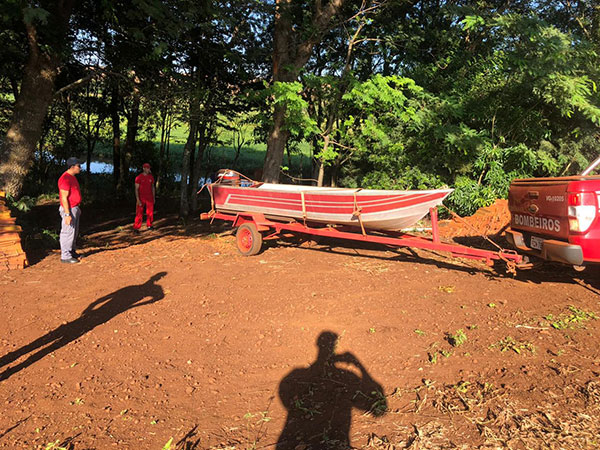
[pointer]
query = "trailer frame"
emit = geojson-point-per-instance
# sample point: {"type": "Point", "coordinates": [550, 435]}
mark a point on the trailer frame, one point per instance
{"type": "Point", "coordinates": [254, 228]}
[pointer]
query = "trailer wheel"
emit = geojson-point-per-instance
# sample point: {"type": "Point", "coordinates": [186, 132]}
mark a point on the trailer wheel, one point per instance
{"type": "Point", "coordinates": [248, 239]}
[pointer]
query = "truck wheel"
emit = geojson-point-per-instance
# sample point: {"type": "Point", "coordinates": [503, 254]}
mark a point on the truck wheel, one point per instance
{"type": "Point", "coordinates": [248, 239]}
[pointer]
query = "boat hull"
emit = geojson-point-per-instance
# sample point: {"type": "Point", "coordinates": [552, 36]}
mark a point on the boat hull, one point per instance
{"type": "Point", "coordinates": [377, 210]}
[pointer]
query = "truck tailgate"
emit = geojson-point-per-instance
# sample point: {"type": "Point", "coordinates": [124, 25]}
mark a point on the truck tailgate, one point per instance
{"type": "Point", "coordinates": [540, 207]}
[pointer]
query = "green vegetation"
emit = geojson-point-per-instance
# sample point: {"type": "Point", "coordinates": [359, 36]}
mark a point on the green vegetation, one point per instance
{"type": "Point", "coordinates": [254, 427]}
{"type": "Point", "coordinates": [508, 343]}
{"type": "Point", "coordinates": [433, 356]}
{"type": "Point", "coordinates": [402, 96]}
{"type": "Point", "coordinates": [568, 321]}
{"type": "Point", "coordinates": [457, 339]}
{"type": "Point", "coordinates": [56, 445]}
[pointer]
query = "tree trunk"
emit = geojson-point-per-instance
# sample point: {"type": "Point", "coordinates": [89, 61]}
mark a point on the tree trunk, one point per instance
{"type": "Point", "coordinates": [14, 84]}
{"type": "Point", "coordinates": [37, 89]}
{"type": "Point", "coordinates": [169, 128]}
{"type": "Point", "coordinates": [275, 146]}
{"type": "Point", "coordinates": [88, 140]}
{"type": "Point", "coordinates": [321, 177]}
{"type": "Point", "coordinates": [184, 205]}
{"type": "Point", "coordinates": [204, 135]}
{"type": "Point", "coordinates": [161, 151]}
{"type": "Point", "coordinates": [25, 127]}
{"type": "Point", "coordinates": [335, 172]}
{"type": "Point", "coordinates": [132, 129]}
{"type": "Point", "coordinates": [196, 177]}
{"type": "Point", "coordinates": [68, 118]}
{"type": "Point", "coordinates": [92, 135]}
{"type": "Point", "coordinates": [116, 129]}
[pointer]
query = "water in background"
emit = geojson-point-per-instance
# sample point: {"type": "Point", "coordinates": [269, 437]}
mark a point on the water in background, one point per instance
{"type": "Point", "coordinates": [98, 167]}
{"type": "Point", "coordinates": [102, 167]}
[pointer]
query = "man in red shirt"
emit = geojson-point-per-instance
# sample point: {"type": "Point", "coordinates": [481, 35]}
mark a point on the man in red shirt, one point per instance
{"type": "Point", "coordinates": [70, 212]}
{"type": "Point", "coordinates": [144, 195]}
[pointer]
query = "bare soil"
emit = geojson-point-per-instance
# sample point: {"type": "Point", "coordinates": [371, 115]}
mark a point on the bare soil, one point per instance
{"type": "Point", "coordinates": [172, 334]}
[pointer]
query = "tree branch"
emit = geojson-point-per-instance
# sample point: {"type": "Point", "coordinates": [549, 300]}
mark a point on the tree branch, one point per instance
{"type": "Point", "coordinates": [75, 84]}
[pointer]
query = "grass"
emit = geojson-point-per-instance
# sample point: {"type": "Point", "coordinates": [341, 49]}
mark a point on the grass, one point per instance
{"type": "Point", "coordinates": [509, 343]}
{"type": "Point", "coordinates": [447, 289]}
{"type": "Point", "coordinates": [254, 427]}
{"type": "Point", "coordinates": [444, 414]}
{"type": "Point", "coordinates": [570, 321]}
{"type": "Point", "coordinates": [434, 356]}
{"type": "Point", "coordinates": [380, 405]}
{"type": "Point", "coordinates": [222, 156]}
{"type": "Point", "coordinates": [54, 446]}
{"type": "Point", "coordinates": [457, 339]}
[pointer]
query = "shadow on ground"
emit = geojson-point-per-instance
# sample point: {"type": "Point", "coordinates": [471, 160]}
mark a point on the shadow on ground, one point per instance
{"type": "Point", "coordinates": [98, 312]}
{"type": "Point", "coordinates": [540, 273]}
{"type": "Point", "coordinates": [319, 399]}
{"type": "Point", "coordinates": [106, 227]}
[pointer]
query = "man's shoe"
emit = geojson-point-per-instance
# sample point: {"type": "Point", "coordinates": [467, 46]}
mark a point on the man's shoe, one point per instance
{"type": "Point", "coordinates": [150, 228]}
{"type": "Point", "coordinates": [69, 261]}
{"type": "Point", "coordinates": [136, 230]}
{"type": "Point", "coordinates": [74, 254]}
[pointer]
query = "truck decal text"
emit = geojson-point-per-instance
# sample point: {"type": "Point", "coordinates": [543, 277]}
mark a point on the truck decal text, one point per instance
{"type": "Point", "coordinates": [555, 198]}
{"type": "Point", "coordinates": [541, 223]}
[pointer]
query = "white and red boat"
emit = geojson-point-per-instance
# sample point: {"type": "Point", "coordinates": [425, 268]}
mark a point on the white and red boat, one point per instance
{"type": "Point", "coordinates": [367, 208]}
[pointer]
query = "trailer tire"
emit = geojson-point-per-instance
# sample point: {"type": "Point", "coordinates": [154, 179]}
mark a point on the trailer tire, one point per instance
{"type": "Point", "coordinates": [248, 239]}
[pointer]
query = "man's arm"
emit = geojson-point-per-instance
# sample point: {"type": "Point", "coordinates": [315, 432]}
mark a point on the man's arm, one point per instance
{"type": "Point", "coordinates": [137, 194]}
{"type": "Point", "coordinates": [64, 202]}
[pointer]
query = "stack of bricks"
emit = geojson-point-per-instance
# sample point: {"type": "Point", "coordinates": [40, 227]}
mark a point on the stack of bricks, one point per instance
{"type": "Point", "coordinates": [11, 252]}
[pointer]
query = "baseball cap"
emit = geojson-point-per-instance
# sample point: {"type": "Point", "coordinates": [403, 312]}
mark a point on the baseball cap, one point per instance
{"type": "Point", "coordinates": [72, 161]}
{"type": "Point", "coordinates": [146, 165]}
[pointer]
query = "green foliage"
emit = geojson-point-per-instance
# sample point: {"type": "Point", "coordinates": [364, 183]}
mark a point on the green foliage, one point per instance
{"type": "Point", "coordinates": [509, 343]}
{"type": "Point", "coordinates": [168, 445]}
{"type": "Point", "coordinates": [457, 339]}
{"type": "Point", "coordinates": [56, 445]}
{"type": "Point", "coordinates": [297, 121]}
{"type": "Point", "coordinates": [467, 95]}
{"type": "Point", "coordinates": [23, 204]}
{"type": "Point", "coordinates": [50, 238]}
{"type": "Point", "coordinates": [573, 320]}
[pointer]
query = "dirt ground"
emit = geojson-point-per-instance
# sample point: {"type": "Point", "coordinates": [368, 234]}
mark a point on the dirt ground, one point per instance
{"type": "Point", "coordinates": [170, 336]}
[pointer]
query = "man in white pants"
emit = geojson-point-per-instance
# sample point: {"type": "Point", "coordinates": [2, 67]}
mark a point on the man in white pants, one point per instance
{"type": "Point", "coordinates": [70, 198]}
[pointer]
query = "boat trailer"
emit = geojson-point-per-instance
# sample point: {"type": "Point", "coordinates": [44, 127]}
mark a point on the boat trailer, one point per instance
{"type": "Point", "coordinates": [254, 228]}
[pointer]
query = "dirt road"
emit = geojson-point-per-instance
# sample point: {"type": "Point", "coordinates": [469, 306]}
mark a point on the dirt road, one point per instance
{"type": "Point", "coordinates": [172, 334]}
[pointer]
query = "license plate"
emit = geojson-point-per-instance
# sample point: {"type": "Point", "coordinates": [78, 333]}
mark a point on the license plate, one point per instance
{"type": "Point", "coordinates": [536, 242]}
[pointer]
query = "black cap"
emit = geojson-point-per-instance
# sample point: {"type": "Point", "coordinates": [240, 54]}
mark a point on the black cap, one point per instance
{"type": "Point", "coordinates": [72, 161]}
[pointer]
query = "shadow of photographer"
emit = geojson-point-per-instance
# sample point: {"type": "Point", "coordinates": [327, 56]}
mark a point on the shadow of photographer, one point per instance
{"type": "Point", "coordinates": [319, 399]}
{"type": "Point", "coordinates": [98, 312]}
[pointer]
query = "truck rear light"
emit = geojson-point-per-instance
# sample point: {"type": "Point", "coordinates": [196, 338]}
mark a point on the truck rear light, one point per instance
{"type": "Point", "coordinates": [582, 211]}
{"type": "Point", "coordinates": [574, 199]}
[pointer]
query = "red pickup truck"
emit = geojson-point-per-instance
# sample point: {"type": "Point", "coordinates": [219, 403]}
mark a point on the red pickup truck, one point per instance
{"type": "Point", "coordinates": [556, 219]}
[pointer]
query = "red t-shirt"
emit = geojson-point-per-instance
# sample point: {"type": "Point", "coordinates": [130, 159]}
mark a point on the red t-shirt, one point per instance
{"type": "Point", "coordinates": [146, 183]}
{"type": "Point", "coordinates": [68, 182]}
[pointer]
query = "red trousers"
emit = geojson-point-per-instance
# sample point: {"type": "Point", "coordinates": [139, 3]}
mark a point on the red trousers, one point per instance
{"type": "Point", "coordinates": [139, 212]}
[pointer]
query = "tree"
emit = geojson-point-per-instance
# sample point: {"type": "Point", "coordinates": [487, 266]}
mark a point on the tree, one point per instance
{"type": "Point", "coordinates": [294, 38]}
{"type": "Point", "coordinates": [46, 28]}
